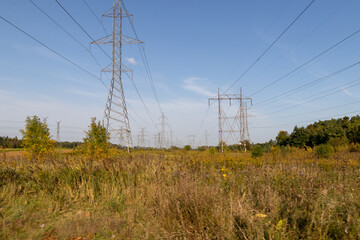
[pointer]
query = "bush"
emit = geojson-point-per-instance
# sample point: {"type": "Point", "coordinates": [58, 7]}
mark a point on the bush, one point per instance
{"type": "Point", "coordinates": [257, 151]}
{"type": "Point", "coordinates": [212, 150]}
{"type": "Point", "coordinates": [96, 143]}
{"type": "Point", "coordinates": [187, 147]}
{"type": "Point", "coordinates": [324, 151]}
{"type": "Point", "coordinates": [36, 138]}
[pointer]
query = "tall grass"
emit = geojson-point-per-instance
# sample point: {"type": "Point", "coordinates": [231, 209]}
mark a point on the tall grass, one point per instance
{"type": "Point", "coordinates": [181, 195]}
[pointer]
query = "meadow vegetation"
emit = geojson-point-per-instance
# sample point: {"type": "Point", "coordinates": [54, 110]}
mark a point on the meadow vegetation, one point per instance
{"type": "Point", "coordinates": [97, 191]}
{"type": "Point", "coordinates": [181, 194]}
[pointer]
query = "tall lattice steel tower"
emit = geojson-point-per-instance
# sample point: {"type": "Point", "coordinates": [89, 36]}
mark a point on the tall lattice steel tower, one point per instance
{"type": "Point", "coordinates": [115, 108]}
{"type": "Point", "coordinates": [232, 129]}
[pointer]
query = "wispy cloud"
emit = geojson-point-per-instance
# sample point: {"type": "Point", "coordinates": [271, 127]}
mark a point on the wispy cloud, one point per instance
{"type": "Point", "coordinates": [350, 94]}
{"type": "Point", "coordinates": [196, 84]}
{"type": "Point", "coordinates": [83, 93]}
{"type": "Point", "coordinates": [131, 61]}
{"type": "Point", "coordinates": [8, 79]}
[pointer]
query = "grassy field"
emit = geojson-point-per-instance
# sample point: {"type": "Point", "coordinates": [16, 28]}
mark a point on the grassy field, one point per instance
{"type": "Point", "coordinates": [181, 195]}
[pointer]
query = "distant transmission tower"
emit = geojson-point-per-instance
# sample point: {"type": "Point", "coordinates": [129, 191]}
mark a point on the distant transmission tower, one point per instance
{"type": "Point", "coordinates": [58, 132]}
{"type": "Point", "coordinates": [206, 143]}
{"type": "Point", "coordinates": [232, 129]}
{"type": "Point", "coordinates": [142, 138]}
{"type": "Point", "coordinates": [162, 139]}
{"type": "Point", "coordinates": [191, 140]}
{"type": "Point", "coordinates": [115, 108]}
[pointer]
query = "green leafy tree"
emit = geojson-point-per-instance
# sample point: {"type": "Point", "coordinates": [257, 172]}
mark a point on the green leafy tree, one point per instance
{"type": "Point", "coordinates": [257, 151]}
{"type": "Point", "coordinates": [187, 147]}
{"type": "Point", "coordinates": [96, 143]}
{"type": "Point", "coordinates": [36, 138]}
{"type": "Point", "coordinates": [282, 138]}
{"type": "Point", "coordinates": [299, 137]}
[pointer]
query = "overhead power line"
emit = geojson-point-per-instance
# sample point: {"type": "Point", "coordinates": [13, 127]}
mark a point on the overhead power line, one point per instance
{"type": "Point", "coordinates": [144, 60]}
{"type": "Point", "coordinates": [62, 7]}
{"type": "Point", "coordinates": [142, 101]}
{"type": "Point", "coordinates": [271, 45]}
{"type": "Point", "coordinates": [312, 120]}
{"type": "Point", "coordinates": [306, 85]}
{"type": "Point", "coordinates": [67, 12]}
{"type": "Point", "coordinates": [306, 63]}
{"type": "Point", "coordinates": [71, 36]}
{"type": "Point", "coordinates": [314, 99]}
{"type": "Point", "coordinates": [50, 49]}
{"type": "Point", "coordinates": [102, 25]}
{"type": "Point", "coordinates": [316, 111]}
{"type": "Point", "coordinates": [259, 39]}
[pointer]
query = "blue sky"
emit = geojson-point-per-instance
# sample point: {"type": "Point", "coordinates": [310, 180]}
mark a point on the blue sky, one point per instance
{"type": "Point", "coordinates": [193, 48]}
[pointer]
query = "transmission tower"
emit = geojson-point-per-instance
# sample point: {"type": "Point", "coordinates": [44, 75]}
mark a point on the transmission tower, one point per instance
{"type": "Point", "coordinates": [206, 138]}
{"type": "Point", "coordinates": [163, 124]}
{"type": "Point", "coordinates": [142, 138]}
{"type": "Point", "coordinates": [157, 140]}
{"type": "Point", "coordinates": [115, 108]}
{"type": "Point", "coordinates": [171, 142]}
{"type": "Point", "coordinates": [232, 129]}
{"type": "Point", "coordinates": [58, 132]}
{"type": "Point", "coordinates": [191, 140]}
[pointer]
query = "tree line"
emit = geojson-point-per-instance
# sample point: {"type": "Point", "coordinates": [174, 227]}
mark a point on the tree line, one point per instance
{"type": "Point", "coordinates": [334, 132]}
{"type": "Point", "coordinates": [8, 142]}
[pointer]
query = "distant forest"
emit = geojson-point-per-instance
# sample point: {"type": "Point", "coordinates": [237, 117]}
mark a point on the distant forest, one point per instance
{"type": "Point", "coordinates": [335, 132]}
{"type": "Point", "coordinates": [8, 142]}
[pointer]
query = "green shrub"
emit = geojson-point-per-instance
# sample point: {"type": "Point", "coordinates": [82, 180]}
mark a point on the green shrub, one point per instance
{"type": "Point", "coordinates": [324, 151]}
{"type": "Point", "coordinates": [212, 150]}
{"type": "Point", "coordinates": [257, 151]}
{"type": "Point", "coordinates": [187, 148]}
{"type": "Point", "coordinates": [36, 139]}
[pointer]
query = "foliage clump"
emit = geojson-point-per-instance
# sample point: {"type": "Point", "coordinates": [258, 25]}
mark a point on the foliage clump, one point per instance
{"type": "Point", "coordinates": [212, 150]}
{"type": "Point", "coordinates": [336, 132]}
{"type": "Point", "coordinates": [324, 151]}
{"type": "Point", "coordinates": [187, 147]}
{"type": "Point", "coordinates": [96, 143]}
{"type": "Point", "coordinates": [257, 151]}
{"type": "Point", "coordinates": [36, 139]}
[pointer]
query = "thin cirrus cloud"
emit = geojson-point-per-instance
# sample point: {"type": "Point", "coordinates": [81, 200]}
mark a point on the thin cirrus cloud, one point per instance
{"type": "Point", "coordinates": [131, 61]}
{"type": "Point", "coordinates": [196, 85]}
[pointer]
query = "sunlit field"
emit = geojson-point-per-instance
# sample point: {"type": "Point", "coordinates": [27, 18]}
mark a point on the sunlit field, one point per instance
{"type": "Point", "coordinates": [177, 194]}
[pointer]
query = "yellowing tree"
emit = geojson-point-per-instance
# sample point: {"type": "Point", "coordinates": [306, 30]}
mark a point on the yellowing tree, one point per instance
{"type": "Point", "coordinates": [36, 138]}
{"type": "Point", "coordinates": [96, 143]}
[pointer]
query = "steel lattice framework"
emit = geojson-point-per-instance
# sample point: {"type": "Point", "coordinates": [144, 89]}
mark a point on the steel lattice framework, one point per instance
{"type": "Point", "coordinates": [232, 129]}
{"type": "Point", "coordinates": [115, 108]}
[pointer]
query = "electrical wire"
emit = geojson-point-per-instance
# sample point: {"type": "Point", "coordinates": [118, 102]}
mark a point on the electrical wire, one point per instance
{"type": "Point", "coordinates": [62, 7]}
{"type": "Point", "coordinates": [141, 99]}
{"type": "Point", "coordinates": [102, 25]}
{"type": "Point", "coordinates": [147, 110]}
{"type": "Point", "coordinates": [314, 99]}
{"type": "Point", "coordinates": [316, 111]}
{"type": "Point", "coordinates": [144, 60]}
{"type": "Point", "coordinates": [71, 36]}
{"type": "Point", "coordinates": [305, 86]}
{"type": "Point", "coordinates": [259, 39]}
{"type": "Point", "coordinates": [271, 45]}
{"type": "Point", "coordinates": [307, 62]}
{"type": "Point", "coordinates": [312, 120]}
{"type": "Point", "coordinates": [50, 49]}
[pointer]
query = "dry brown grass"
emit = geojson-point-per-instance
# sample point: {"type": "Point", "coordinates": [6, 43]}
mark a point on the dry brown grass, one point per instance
{"type": "Point", "coordinates": [181, 195]}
